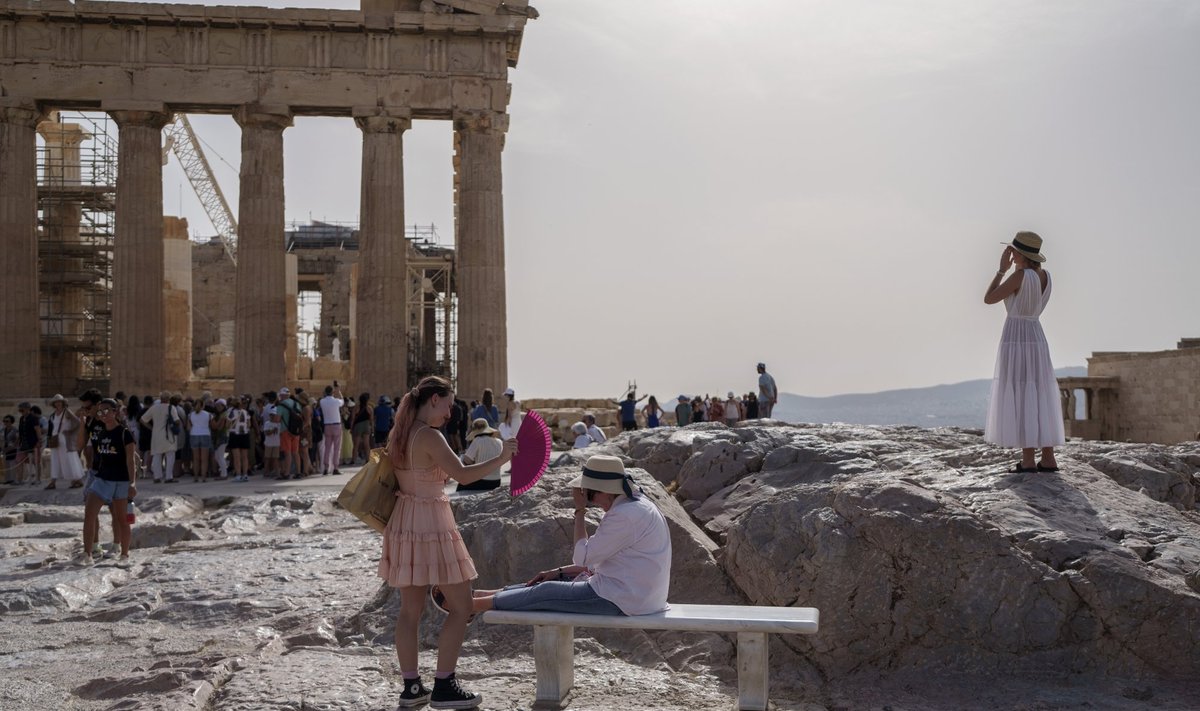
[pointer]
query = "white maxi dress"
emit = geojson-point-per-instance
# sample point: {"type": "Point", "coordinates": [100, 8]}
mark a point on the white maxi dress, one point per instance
{"type": "Point", "coordinates": [1025, 409]}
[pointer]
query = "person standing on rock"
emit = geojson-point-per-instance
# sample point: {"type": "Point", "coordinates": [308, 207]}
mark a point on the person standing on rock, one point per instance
{"type": "Point", "coordinates": [113, 452]}
{"type": "Point", "coordinates": [624, 568]}
{"type": "Point", "coordinates": [768, 394]}
{"type": "Point", "coordinates": [422, 545]}
{"type": "Point", "coordinates": [628, 408]}
{"type": "Point", "coordinates": [1025, 410]}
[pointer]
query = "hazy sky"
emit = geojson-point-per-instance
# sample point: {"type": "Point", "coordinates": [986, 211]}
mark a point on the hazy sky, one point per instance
{"type": "Point", "coordinates": [693, 186]}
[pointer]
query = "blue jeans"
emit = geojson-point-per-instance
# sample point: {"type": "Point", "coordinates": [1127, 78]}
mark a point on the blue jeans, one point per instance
{"type": "Point", "coordinates": [108, 491]}
{"type": "Point", "coordinates": [555, 596]}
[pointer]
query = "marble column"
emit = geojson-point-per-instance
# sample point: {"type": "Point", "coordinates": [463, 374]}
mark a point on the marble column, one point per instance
{"type": "Point", "coordinates": [479, 241]}
{"type": "Point", "coordinates": [261, 338]}
{"type": "Point", "coordinates": [381, 342]}
{"type": "Point", "coordinates": [20, 355]}
{"type": "Point", "coordinates": [137, 363]}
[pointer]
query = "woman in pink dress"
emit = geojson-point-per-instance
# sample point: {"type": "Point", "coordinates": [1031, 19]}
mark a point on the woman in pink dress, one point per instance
{"type": "Point", "coordinates": [422, 545]}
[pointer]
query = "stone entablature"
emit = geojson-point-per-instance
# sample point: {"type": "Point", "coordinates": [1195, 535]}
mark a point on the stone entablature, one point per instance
{"type": "Point", "coordinates": [1139, 397]}
{"type": "Point", "coordinates": [208, 58]}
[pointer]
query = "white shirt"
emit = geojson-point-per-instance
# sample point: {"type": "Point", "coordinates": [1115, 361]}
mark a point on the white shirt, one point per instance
{"type": "Point", "coordinates": [629, 556]}
{"type": "Point", "coordinates": [200, 422]}
{"type": "Point", "coordinates": [482, 449]}
{"type": "Point", "coordinates": [582, 441]}
{"type": "Point", "coordinates": [597, 435]}
{"type": "Point", "coordinates": [731, 410]}
{"type": "Point", "coordinates": [331, 410]}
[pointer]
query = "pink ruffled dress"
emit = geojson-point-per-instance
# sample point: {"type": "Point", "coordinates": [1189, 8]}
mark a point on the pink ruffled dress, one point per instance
{"type": "Point", "coordinates": [421, 544]}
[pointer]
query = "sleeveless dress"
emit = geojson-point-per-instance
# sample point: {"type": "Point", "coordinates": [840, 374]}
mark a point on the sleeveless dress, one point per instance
{"type": "Point", "coordinates": [1026, 408]}
{"type": "Point", "coordinates": [421, 544]}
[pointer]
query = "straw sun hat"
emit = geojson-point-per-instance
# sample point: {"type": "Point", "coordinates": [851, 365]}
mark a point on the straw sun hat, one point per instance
{"type": "Point", "coordinates": [479, 426]}
{"type": "Point", "coordinates": [1029, 244]}
{"type": "Point", "coordinates": [604, 473]}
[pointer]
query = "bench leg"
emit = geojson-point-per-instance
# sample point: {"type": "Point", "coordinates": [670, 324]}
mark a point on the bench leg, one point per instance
{"type": "Point", "coordinates": [554, 660]}
{"type": "Point", "coordinates": [752, 671]}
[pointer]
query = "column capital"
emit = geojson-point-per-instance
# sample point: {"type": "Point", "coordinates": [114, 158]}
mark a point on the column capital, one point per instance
{"type": "Point", "coordinates": [271, 116]}
{"type": "Point", "coordinates": [129, 118]}
{"type": "Point", "coordinates": [63, 134]}
{"type": "Point", "coordinates": [384, 121]}
{"type": "Point", "coordinates": [24, 112]}
{"type": "Point", "coordinates": [481, 121]}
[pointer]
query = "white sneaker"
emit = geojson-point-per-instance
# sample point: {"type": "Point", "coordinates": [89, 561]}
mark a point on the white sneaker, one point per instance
{"type": "Point", "coordinates": [123, 561]}
{"type": "Point", "coordinates": [84, 560]}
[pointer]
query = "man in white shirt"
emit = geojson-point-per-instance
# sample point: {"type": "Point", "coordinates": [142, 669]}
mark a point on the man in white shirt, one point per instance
{"type": "Point", "coordinates": [331, 442]}
{"type": "Point", "coordinates": [593, 431]}
{"type": "Point", "coordinates": [624, 568]}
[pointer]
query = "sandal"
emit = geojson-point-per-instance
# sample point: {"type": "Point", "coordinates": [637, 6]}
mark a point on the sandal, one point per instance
{"type": "Point", "coordinates": [1041, 468]}
{"type": "Point", "coordinates": [438, 599]}
{"type": "Point", "coordinates": [50, 486]}
{"type": "Point", "coordinates": [1022, 470]}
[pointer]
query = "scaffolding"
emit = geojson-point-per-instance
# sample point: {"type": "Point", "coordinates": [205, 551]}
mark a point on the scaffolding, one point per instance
{"type": "Point", "coordinates": [432, 319]}
{"type": "Point", "coordinates": [77, 178]}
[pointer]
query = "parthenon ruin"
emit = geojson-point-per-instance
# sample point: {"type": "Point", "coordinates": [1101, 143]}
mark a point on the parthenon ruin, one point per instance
{"type": "Point", "coordinates": [384, 66]}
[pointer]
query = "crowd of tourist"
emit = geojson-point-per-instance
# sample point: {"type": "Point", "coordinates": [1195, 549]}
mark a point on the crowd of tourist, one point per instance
{"type": "Point", "coordinates": [688, 410]}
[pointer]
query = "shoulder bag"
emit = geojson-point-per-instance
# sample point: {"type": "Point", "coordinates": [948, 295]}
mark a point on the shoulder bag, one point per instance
{"type": "Point", "coordinates": [371, 494]}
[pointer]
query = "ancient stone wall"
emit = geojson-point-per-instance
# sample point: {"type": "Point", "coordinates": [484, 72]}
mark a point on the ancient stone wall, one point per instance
{"type": "Point", "coordinates": [213, 297]}
{"type": "Point", "coordinates": [1158, 399]}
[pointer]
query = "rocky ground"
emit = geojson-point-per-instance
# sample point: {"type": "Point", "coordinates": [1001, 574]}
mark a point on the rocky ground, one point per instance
{"type": "Point", "coordinates": [943, 583]}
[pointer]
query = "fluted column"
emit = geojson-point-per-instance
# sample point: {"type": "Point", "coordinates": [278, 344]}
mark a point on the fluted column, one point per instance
{"type": "Point", "coordinates": [138, 353]}
{"type": "Point", "coordinates": [381, 307]}
{"type": "Point", "coordinates": [479, 242]}
{"type": "Point", "coordinates": [260, 338]}
{"type": "Point", "coordinates": [20, 332]}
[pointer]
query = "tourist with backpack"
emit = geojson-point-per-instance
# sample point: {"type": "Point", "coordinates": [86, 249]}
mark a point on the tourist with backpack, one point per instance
{"type": "Point", "coordinates": [291, 424]}
{"type": "Point", "coordinates": [166, 427]}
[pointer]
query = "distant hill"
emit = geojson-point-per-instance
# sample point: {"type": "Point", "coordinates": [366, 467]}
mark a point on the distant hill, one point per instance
{"type": "Point", "coordinates": [960, 404]}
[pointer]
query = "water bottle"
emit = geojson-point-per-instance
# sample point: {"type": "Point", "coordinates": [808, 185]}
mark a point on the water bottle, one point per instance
{"type": "Point", "coordinates": [131, 514]}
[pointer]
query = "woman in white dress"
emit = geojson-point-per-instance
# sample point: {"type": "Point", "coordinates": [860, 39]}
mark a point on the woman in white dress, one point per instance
{"type": "Point", "coordinates": [510, 420]}
{"type": "Point", "coordinates": [65, 464]}
{"type": "Point", "coordinates": [1025, 410]}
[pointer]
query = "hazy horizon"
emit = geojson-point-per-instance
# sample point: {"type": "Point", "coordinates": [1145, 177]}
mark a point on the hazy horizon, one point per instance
{"type": "Point", "coordinates": [692, 187]}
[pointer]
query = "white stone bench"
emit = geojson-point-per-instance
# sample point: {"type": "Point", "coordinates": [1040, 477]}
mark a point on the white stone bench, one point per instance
{"type": "Point", "coordinates": [554, 641]}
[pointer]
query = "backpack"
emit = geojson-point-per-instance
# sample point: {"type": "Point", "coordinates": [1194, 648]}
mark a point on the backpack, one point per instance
{"type": "Point", "coordinates": [294, 425]}
{"type": "Point", "coordinates": [174, 426]}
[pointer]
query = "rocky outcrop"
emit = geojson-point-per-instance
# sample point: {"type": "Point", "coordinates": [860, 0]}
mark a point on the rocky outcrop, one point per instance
{"type": "Point", "coordinates": [921, 551]}
{"type": "Point", "coordinates": [933, 567]}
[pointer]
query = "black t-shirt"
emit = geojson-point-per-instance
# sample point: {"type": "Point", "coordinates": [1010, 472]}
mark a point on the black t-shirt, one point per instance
{"type": "Point", "coordinates": [27, 431]}
{"type": "Point", "coordinates": [108, 452]}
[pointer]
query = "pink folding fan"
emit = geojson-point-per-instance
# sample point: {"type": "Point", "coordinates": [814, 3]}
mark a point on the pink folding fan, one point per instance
{"type": "Point", "coordinates": [533, 454]}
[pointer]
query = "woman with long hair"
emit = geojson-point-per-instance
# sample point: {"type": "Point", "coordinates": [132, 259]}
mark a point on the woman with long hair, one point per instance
{"type": "Point", "coordinates": [652, 412]}
{"type": "Point", "coordinates": [1025, 411]}
{"type": "Point", "coordinates": [421, 544]}
{"type": "Point", "coordinates": [364, 425]}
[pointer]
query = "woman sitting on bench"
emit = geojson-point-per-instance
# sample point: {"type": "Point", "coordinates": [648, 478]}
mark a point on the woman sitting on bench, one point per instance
{"type": "Point", "coordinates": [624, 568]}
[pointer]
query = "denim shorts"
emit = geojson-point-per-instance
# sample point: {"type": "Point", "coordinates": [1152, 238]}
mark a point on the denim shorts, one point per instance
{"type": "Point", "coordinates": [108, 491]}
{"type": "Point", "coordinates": [200, 441]}
{"type": "Point", "coordinates": [555, 596]}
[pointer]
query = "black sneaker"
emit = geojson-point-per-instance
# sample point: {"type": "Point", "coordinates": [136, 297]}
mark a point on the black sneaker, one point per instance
{"type": "Point", "coordinates": [449, 694]}
{"type": "Point", "coordinates": [415, 694]}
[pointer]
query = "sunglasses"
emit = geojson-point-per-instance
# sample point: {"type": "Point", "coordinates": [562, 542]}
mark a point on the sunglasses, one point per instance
{"type": "Point", "coordinates": [102, 413]}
